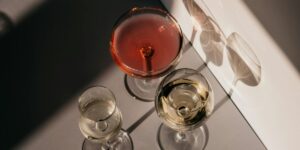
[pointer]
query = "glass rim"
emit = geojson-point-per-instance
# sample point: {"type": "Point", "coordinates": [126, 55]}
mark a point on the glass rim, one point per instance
{"type": "Point", "coordinates": [86, 90]}
{"type": "Point", "coordinates": [171, 124]}
{"type": "Point", "coordinates": [135, 72]}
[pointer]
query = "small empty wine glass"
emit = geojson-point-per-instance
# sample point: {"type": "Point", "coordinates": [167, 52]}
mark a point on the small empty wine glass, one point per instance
{"type": "Point", "coordinates": [100, 121]}
{"type": "Point", "coordinates": [184, 100]}
{"type": "Point", "coordinates": [146, 43]}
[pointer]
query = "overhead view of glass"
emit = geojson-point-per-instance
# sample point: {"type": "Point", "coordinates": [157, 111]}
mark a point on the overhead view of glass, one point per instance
{"type": "Point", "coordinates": [146, 43]}
{"type": "Point", "coordinates": [183, 102]}
{"type": "Point", "coordinates": [150, 75]}
{"type": "Point", "coordinates": [101, 121]}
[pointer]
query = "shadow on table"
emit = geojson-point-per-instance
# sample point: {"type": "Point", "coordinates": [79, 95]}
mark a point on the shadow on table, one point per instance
{"type": "Point", "coordinates": [46, 60]}
{"type": "Point", "coordinates": [49, 57]}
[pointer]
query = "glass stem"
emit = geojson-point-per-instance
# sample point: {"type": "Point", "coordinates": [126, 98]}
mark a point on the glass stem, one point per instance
{"type": "Point", "coordinates": [106, 146]}
{"type": "Point", "coordinates": [101, 125]}
{"type": "Point", "coordinates": [112, 143]}
{"type": "Point", "coordinates": [148, 65]}
{"type": "Point", "coordinates": [147, 81]}
{"type": "Point", "coordinates": [235, 80]}
{"type": "Point", "coordinates": [147, 53]}
{"type": "Point", "coordinates": [180, 136]}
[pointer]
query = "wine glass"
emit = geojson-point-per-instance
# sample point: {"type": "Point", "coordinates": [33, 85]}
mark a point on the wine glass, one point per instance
{"type": "Point", "coordinates": [100, 121]}
{"type": "Point", "coordinates": [146, 43]}
{"type": "Point", "coordinates": [243, 61]}
{"type": "Point", "coordinates": [184, 100]}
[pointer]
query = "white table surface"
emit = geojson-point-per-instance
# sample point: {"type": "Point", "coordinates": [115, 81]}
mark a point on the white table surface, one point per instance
{"type": "Point", "coordinates": [271, 106]}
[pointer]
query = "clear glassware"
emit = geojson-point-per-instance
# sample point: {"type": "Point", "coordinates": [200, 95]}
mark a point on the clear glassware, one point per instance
{"type": "Point", "coordinates": [146, 43]}
{"type": "Point", "coordinates": [183, 102]}
{"type": "Point", "coordinates": [100, 121]}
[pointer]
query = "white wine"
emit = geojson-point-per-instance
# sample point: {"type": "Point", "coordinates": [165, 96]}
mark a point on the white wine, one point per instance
{"type": "Point", "coordinates": [100, 120]}
{"type": "Point", "coordinates": [183, 103]}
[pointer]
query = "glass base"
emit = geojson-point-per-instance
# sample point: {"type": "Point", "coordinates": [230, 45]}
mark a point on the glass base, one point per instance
{"type": "Point", "coordinates": [187, 140]}
{"type": "Point", "coordinates": [142, 89]}
{"type": "Point", "coordinates": [121, 142]}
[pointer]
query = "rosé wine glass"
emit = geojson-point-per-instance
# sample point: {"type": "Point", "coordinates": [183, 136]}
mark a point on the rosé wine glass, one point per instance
{"type": "Point", "coordinates": [145, 44]}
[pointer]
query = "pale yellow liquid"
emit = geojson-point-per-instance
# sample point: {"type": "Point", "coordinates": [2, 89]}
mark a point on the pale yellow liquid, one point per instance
{"type": "Point", "coordinates": [183, 103]}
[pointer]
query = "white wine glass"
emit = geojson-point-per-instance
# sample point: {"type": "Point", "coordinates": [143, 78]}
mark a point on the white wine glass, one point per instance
{"type": "Point", "coordinates": [184, 100]}
{"type": "Point", "coordinates": [101, 120]}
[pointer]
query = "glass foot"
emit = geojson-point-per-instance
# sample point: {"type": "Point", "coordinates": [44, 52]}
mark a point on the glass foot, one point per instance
{"type": "Point", "coordinates": [187, 140]}
{"type": "Point", "coordinates": [121, 142]}
{"type": "Point", "coordinates": [142, 89]}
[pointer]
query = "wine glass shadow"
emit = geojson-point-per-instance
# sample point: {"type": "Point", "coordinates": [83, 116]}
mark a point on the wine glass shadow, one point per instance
{"type": "Point", "coordinates": [212, 38]}
{"type": "Point", "coordinates": [186, 47]}
{"type": "Point", "coordinates": [243, 61]}
{"type": "Point", "coordinates": [213, 42]}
